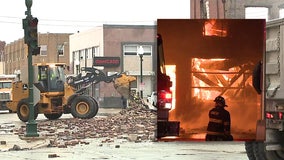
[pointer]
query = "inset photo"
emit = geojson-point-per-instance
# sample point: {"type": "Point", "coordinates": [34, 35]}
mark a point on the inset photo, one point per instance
{"type": "Point", "coordinates": [208, 79]}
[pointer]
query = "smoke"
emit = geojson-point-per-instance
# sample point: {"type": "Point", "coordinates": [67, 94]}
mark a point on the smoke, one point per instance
{"type": "Point", "coordinates": [200, 57]}
{"type": "Point", "coordinates": [244, 113]}
{"type": "Point", "coordinates": [240, 96]}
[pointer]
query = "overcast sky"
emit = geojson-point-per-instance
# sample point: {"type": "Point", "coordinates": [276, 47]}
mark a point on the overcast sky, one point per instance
{"type": "Point", "coordinates": [70, 16]}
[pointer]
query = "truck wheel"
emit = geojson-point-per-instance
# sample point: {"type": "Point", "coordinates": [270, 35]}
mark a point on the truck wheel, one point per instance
{"type": "Point", "coordinates": [275, 155]}
{"type": "Point", "coordinates": [262, 154]}
{"type": "Point", "coordinates": [23, 110]}
{"type": "Point", "coordinates": [82, 107]}
{"type": "Point", "coordinates": [259, 150]}
{"type": "Point", "coordinates": [249, 150]}
{"type": "Point", "coordinates": [53, 116]}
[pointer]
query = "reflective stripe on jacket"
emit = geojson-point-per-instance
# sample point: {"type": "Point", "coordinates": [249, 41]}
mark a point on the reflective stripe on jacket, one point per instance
{"type": "Point", "coordinates": [219, 121]}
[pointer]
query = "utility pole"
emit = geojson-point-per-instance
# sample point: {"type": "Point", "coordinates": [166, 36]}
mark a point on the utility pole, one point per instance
{"type": "Point", "coordinates": [31, 39]}
{"type": "Point", "coordinates": [140, 53]}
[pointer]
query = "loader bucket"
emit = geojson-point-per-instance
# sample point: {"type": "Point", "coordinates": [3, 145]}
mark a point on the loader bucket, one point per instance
{"type": "Point", "coordinates": [122, 84]}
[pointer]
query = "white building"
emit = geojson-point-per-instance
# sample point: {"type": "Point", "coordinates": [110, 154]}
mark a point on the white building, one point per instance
{"type": "Point", "coordinates": [119, 43]}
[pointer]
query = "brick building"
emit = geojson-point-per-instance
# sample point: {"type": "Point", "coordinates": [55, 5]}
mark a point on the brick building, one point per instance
{"type": "Point", "coordinates": [54, 48]}
{"type": "Point", "coordinates": [2, 64]}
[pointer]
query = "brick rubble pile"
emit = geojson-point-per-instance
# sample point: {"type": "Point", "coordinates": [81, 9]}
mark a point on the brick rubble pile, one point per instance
{"type": "Point", "coordinates": [135, 124]}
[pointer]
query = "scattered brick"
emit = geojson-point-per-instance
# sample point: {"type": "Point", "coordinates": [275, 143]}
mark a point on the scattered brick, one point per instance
{"type": "Point", "coordinates": [135, 124]}
{"type": "Point", "coordinates": [52, 155]}
{"type": "Point", "coordinates": [3, 142]}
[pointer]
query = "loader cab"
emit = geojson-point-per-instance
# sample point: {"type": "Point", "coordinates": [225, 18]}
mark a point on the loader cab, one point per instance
{"type": "Point", "coordinates": [50, 77]}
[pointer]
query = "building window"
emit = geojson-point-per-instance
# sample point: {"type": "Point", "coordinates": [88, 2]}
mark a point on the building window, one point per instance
{"type": "Point", "coordinates": [130, 49]}
{"type": "Point", "coordinates": [23, 54]}
{"type": "Point", "coordinates": [256, 13]}
{"type": "Point", "coordinates": [89, 53]}
{"type": "Point", "coordinates": [147, 50]}
{"type": "Point", "coordinates": [281, 13]}
{"type": "Point", "coordinates": [82, 54]}
{"type": "Point", "coordinates": [76, 57]}
{"type": "Point", "coordinates": [76, 61]}
{"type": "Point", "coordinates": [60, 49]}
{"type": "Point", "coordinates": [95, 52]}
{"type": "Point", "coordinates": [133, 49]}
{"type": "Point", "coordinates": [43, 50]}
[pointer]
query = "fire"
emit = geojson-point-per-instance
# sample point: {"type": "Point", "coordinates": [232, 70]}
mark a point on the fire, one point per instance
{"type": "Point", "coordinates": [204, 88]}
{"type": "Point", "coordinates": [211, 77]}
{"type": "Point", "coordinates": [215, 28]}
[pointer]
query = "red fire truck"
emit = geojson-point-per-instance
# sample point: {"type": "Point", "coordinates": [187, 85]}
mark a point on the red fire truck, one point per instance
{"type": "Point", "coordinates": [165, 127]}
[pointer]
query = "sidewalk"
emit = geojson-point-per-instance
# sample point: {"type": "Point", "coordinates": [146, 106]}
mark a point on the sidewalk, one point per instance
{"type": "Point", "coordinates": [15, 143]}
{"type": "Point", "coordinates": [10, 141]}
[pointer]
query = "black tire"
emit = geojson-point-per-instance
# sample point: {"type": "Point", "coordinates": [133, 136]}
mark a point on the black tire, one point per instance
{"type": "Point", "coordinates": [83, 107]}
{"type": "Point", "coordinates": [275, 155]}
{"type": "Point", "coordinates": [262, 154]}
{"type": "Point", "coordinates": [53, 116]}
{"type": "Point", "coordinates": [96, 107]}
{"type": "Point", "coordinates": [259, 151]}
{"type": "Point", "coordinates": [23, 110]}
{"type": "Point", "coordinates": [249, 150]}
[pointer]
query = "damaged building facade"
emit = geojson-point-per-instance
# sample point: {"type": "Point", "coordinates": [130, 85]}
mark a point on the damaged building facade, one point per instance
{"type": "Point", "coordinates": [114, 49]}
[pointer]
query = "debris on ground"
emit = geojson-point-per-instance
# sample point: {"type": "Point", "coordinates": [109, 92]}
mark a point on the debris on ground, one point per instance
{"type": "Point", "coordinates": [15, 148]}
{"type": "Point", "coordinates": [6, 128]}
{"type": "Point", "coordinates": [52, 155]}
{"type": "Point", "coordinates": [134, 124]}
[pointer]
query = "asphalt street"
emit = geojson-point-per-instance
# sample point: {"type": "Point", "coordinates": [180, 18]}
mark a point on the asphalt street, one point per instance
{"type": "Point", "coordinates": [99, 148]}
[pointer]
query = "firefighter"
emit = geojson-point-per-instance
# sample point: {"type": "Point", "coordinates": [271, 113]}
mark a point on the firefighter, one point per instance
{"type": "Point", "coordinates": [219, 126]}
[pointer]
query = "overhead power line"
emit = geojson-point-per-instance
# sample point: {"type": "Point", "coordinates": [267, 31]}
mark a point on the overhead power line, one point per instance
{"type": "Point", "coordinates": [19, 20]}
{"type": "Point", "coordinates": [10, 22]}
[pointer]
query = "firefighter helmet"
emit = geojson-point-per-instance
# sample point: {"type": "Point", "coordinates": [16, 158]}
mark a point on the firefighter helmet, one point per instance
{"type": "Point", "coordinates": [221, 100]}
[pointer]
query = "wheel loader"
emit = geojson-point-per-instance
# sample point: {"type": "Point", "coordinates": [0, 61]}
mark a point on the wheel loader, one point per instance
{"type": "Point", "coordinates": [55, 94]}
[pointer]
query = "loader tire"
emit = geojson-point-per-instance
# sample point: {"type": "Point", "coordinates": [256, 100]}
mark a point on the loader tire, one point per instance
{"type": "Point", "coordinates": [249, 150]}
{"type": "Point", "coordinates": [23, 110]}
{"type": "Point", "coordinates": [96, 108]}
{"type": "Point", "coordinates": [83, 107]}
{"type": "Point", "coordinates": [53, 116]}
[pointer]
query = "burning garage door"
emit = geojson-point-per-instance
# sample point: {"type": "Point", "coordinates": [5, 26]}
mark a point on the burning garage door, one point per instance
{"type": "Point", "coordinates": [211, 78]}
